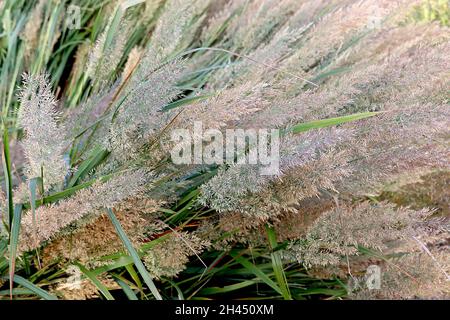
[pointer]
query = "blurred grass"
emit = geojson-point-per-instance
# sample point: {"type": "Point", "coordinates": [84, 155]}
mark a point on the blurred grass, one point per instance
{"type": "Point", "coordinates": [432, 10]}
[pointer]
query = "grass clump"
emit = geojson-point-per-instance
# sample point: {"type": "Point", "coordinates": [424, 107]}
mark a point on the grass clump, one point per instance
{"type": "Point", "coordinates": [93, 205]}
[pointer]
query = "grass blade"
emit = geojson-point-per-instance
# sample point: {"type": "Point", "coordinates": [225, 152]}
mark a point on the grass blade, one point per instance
{"type": "Point", "coordinates": [136, 259]}
{"type": "Point", "coordinates": [177, 288]}
{"type": "Point", "coordinates": [256, 271]}
{"type": "Point", "coordinates": [126, 289]}
{"type": "Point", "coordinates": [8, 178]}
{"type": "Point", "coordinates": [33, 187]}
{"type": "Point", "coordinates": [317, 124]}
{"type": "Point", "coordinates": [87, 166]}
{"type": "Point", "coordinates": [14, 239]}
{"type": "Point", "coordinates": [32, 287]}
{"type": "Point", "coordinates": [185, 101]}
{"type": "Point", "coordinates": [101, 287]}
{"type": "Point", "coordinates": [278, 265]}
{"type": "Point", "coordinates": [225, 289]}
{"type": "Point", "coordinates": [134, 275]}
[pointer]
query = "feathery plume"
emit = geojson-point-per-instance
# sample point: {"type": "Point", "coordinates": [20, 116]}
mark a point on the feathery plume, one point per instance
{"type": "Point", "coordinates": [169, 258]}
{"type": "Point", "coordinates": [338, 232]}
{"type": "Point", "coordinates": [43, 143]}
{"type": "Point", "coordinates": [98, 237]}
{"type": "Point", "coordinates": [178, 23]}
{"type": "Point", "coordinates": [104, 58]}
{"type": "Point", "coordinates": [412, 276]}
{"type": "Point", "coordinates": [30, 33]}
{"type": "Point", "coordinates": [140, 116]}
{"type": "Point", "coordinates": [52, 219]}
{"type": "Point", "coordinates": [305, 161]}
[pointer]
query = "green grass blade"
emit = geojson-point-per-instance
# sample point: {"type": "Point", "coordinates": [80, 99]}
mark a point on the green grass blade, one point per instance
{"type": "Point", "coordinates": [278, 264]}
{"type": "Point", "coordinates": [87, 166]}
{"type": "Point", "coordinates": [67, 192]}
{"type": "Point", "coordinates": [126, 289]}
{"type": "Point", "coordinates": [229, 288]}
{"type": "Point", "coordinates": [33, 187]}
{"type": "Point", "coordinates": [317, 124]}
{"type": "Point", "coordinates": [177, 288]}
{"type": "Point", "coordinates": [188, 100]}
{"type": "Point", "coordinates": [3, 247]}
{"type": "Point", "coordinates": [136, 259]}
{"type": "Point", "coordinates": [17, 292]}
{"type": "Point", "coordinates": [118, 263]}
{"type": "Point", "coordinates": [256, 271]}
{"type": "Point", "coordinates": [100, 286]}
{"type": "Point", "coordinates": [13, 244]}
{"type": "Point", "coordinates": [8, 177]}
{"type": "Point", "coordinates": [32, 287]}
{"type": "Point", "coordinates": [134, 275]}
{"type": "Point", "coordinates": [330, 73]}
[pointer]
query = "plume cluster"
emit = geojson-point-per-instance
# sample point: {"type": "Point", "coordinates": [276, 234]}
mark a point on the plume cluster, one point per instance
{"type": "Point", "coordinates": [246, 65]}
{"type": "Point", "coordinates": [169, 258]}
{"type": "Point", "coordinates": [42, 144]}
